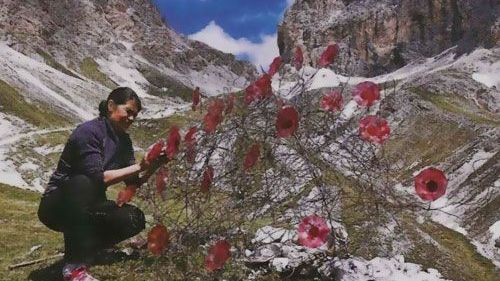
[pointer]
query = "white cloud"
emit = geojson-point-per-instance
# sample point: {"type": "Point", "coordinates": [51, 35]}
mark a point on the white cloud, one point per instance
{"type": "Point", "coordinates": [289, 2]}
{"type": "Point", "coordinates": [260, 54]}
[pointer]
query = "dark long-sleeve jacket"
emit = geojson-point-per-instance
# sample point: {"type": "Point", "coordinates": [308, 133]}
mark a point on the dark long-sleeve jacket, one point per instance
{"type": "Point", "coordinates": [92, 148]}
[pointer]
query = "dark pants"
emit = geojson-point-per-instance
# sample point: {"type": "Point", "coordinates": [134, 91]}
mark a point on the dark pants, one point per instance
{"type": "Point", "coordinates": [88, 220]}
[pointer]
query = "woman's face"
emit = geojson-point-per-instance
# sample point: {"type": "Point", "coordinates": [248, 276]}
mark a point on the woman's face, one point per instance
{"type": "Point", "coordinates": [122, 115]}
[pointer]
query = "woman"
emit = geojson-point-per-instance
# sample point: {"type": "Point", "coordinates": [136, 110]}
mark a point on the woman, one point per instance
{"type": "Point", "coordinates": [98, 153]}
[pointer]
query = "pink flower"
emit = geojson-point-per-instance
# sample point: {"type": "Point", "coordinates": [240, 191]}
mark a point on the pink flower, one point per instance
{"type": "Point", "coordinates": [174, 139]}
{"type": "Point", "coordinates": [259, 90]}
{"type": "Point", "coordinates": [313, 231]}
{"type": "Point", "coordinates": [287, 121]}
{"type": "Point", "coordinates": [275, 66]}
{"type": "Point", "coordinates": [251, 157]}
{"type": "Point", "coordinates": [214, 115]}
{"type": "Point", "coordinates": [430, 184]}
{"type": "Point", "coordinates": [298, 58]}
{"type": "Point", "coordinates": [217, 256]}
{"type": "Point", "coordinates": [155, 151]}
{"type": "Point", "coordinates": [189, 138]}
{"type": "Point", "coordinates": [374, 129]}
{"type": "Point", "coordinates": [158, 239]}
{"type": "Point", "coordinates": [332, 101]}
{"type": "Point", "coordinates": [208, 176]}
{"type": "Point", "coordinates": [328, 55]}
{"type": "Point", "coordinates": [125, 195]}
{"type": "Point", "coordinates": [366, 93]}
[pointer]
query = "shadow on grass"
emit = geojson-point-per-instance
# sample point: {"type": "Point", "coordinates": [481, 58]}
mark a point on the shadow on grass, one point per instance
{"type": "Point", "coordinates": [53, 272]}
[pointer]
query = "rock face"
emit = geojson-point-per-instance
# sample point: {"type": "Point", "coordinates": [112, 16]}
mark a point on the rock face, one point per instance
{"type": "Point", "coordinates": [73, 30]}
{"type": "Point", "coordinates": [377, 37]}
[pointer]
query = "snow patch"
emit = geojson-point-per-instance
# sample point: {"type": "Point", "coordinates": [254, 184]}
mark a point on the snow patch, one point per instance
{"type": "Point", "coordinates": [383, 269]}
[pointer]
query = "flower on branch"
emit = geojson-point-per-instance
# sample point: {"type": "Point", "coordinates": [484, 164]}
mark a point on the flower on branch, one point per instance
{"type": "Point", "coordinates": [287, 121]}
{"type": "Point", "coordinates": [251, 157]}
{"type": "Point", "coordinates": [366, 93]}
{"type": "Point", "coordinates": [214, 116]}
{"type": "Point", "coordinates": [208, 176]}
{"type": "Point", "coordinates": [430, 184]}
{"type": "Point", "coordinates": [298, 58]}
{"type": "Point", "coordinates": [374, 129]}
{"type": "Point", "coordinates": [328, 55]}
{"type": "Point", "coordinates": [158, 239]}
{"type": "Point", "coordinates": [313, 231]}
{"type": "Point", "coordinates": [196, 98]}
{"type": "Point", "coordinates": [125, 195]}
{"type": "Point", "coordinates": [174, 139]}
{"type": "Point", "coordinates": [217, 255]}
{"type": "Point", "coordinates": [259, 89]}
{"type": "Point", "coordinates": [275, 66]}
{"type": "Point", "coordinates": [332, 101]}
{"type": "Point", "coordinates": [155, 151]}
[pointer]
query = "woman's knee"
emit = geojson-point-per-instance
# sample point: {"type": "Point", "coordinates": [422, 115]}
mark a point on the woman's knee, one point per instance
{"type": "Point", "coordinates": [137, 219]}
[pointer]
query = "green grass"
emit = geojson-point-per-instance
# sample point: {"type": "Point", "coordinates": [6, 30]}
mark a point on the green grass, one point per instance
{"type": "Point", "coordinates": [164, 86]}
{"type": "Point", "coordinates": [50, 61]}
{"type": "Point", "coordinates": [457, 104]}
{"type": "Point", "coordinates": [456, 258]}
{"type": "Point", "coordinates": [90, 69]}
{"type": "Point", "coordinates": [21, 230]}
{"type": "Point", "coordinates": [428, 140]}
{"type": "Point", "coordinates": [12, 102]}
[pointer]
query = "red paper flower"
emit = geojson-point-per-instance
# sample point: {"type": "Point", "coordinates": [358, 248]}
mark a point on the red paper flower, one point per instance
{"type": "Point", "coordinates": [161, 180]}
{"type": "Point", "coordinates": [259, 90]}
{"type": "Point", "coordinates": [174, 139]}
{"type": "Point", "coordinates": [208, 176]}
{"type": "Point", "coordinates": [313, 231]}
{"type": "Point", "coordinates": [155, 151]}
{"type": "Point", "coordinates": [196, 98]}
{"type": "Point", "coordinates": [298, 58]}
{"type": "Point", "coordinates": [251, 157]}
{"type": "Point", "coordinates": [217, 256]}
{"type": "Point", "coordinates": [158, 239]}
{"type": "Point", "coordinates": [214, 115]}
{"type": "Point", "coordinates": [374, 129]}
{"type": "Point", "coordinates": [125, 195]}
{"type": "Point", "coordinates": [275, 66]}
{"type": "Point", "coordinates": [366, 93]}
{"type": "Point", "coordinates": [230, 103]}
{"type": "Point", "coordinates": [328, 55]}
{"type": "Point", "coordinates": [287, 121]}
{"type": "Point", "coordinates": [430, 184]}
{"type": "Point", "coordinates": [332, 101]}
{"type": "Point", "coordinates": [189, 138]}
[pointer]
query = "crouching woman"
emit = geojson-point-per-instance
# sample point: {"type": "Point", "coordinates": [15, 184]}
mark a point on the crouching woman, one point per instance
{"type": "Point", "coordinates": [98, 154]}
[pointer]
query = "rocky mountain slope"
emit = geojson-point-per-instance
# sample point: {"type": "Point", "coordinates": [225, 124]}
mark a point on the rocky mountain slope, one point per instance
{"type": "Point", "coordinates": [443, 107]}
{"type": "Point", "coordinates": [94, 46]}
{"type": "Point", "coordinates": [380, 36]}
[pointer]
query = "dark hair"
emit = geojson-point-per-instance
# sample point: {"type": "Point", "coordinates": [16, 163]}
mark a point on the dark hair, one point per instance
{"type": "Point", "coordinates": [119, 96]}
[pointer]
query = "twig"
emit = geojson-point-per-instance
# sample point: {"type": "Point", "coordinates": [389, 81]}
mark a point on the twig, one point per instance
{"type": "Point", "coordinates": [26, 263]}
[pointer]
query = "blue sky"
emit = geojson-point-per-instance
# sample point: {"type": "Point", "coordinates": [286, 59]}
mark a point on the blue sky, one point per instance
{"type": "Point", "coordinates": [246, 28]}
